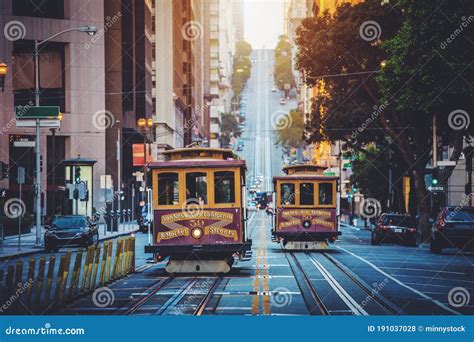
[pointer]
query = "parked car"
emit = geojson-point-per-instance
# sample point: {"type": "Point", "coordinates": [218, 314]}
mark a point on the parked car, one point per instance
{"type": "Point", "coordinates": [283, 101]}
{"type": "Point", "coordinates": [397, 228]}
{"type": "Point", "coordinates": [70, 230]}
{"type": "Point", "coordinates": [274, 89]}
{"type": "Point", "coordinates": [453, 228]}
{"type": "Point", "coordinates": [252, 206]}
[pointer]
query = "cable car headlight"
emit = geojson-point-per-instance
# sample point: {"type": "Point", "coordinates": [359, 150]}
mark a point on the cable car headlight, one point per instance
{"type": "Point", "coordinates": [197, 233]}
{"type": "Point", "coordinates": [307, 224]}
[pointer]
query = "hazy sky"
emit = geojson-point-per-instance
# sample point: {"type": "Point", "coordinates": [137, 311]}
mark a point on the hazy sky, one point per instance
{"type": "Point", "coordinates": [263, 22]}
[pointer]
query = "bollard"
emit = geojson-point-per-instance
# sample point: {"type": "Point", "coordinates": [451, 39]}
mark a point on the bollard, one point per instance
{"type": "Point", "coordinates": [49, 280]}
{"type": "Point", "coordinates": [9, 281]}
{"type": "Point", "coordinates": [63, 288]}
{"type": "Point", "coordinates": [30, 279]}
{"type": "Point", "coordinates": [116, 259]}
{"type": "Point", "coordinates": [89, 268]}
{"type": "Point", "coordinates": [76, 272]}
{"type": "Point", "coordinates": [39, 281]}
{"type": "Point", "coordinates": [96, 265]}
{"type": "Point", "coordinates": [103, 264]}
{"type": "Point", "coordinates": [18, 282]}
{"type": "Point", "coordinates": [109, 262]}
{"type": "Point", "coordinates": [132, 268]}
{"type": "Point", "coordinates": [86, 268]}
{"type": "Point", "coordinates": [59, 278]}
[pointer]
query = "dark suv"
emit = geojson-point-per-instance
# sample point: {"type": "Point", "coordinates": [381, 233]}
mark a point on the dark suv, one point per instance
{"type": "Point", "coordinates": [70, 230]}
{"type": "Point", "coordinates": [396, 228]}
{"type": "Point", "coordinates": [453, 228]}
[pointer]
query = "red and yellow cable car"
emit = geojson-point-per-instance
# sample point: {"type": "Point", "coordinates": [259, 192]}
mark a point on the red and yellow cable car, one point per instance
{"type": "Point", "coordinates": [199, 212]}
{"type": "Point", "coordinates": [306, 210]}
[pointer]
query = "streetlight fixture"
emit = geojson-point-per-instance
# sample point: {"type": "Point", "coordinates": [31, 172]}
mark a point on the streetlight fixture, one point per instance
{"type": "Point", "coordinates": [145, 126]}
{"type": "Point", "coordinates": [3, 74]}
{"type": "Point", "coordinates": [90, 30]}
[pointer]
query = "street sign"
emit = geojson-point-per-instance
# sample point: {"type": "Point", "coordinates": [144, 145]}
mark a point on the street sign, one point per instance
{"type": "Point", "coordinates": [24, 143]}
{"type": "Point", "coordinates": [446, 163]}
{"type": "Point", "coordinates": [21, 175]}
{"type": "Point", "coordinates": [32, 112]}
{"type": "Point", "coordinates": [435, 188]}
{"type": "Point", "coordinates": [51, 123]}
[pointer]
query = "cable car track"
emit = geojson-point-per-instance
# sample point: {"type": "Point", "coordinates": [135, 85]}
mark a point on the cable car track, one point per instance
{"type": "Point", "coordinates": [310, 295]}
{"type": "Point", "coordinates": [383, 302]}
{"type": "Point", "coordinates": [188, 288]}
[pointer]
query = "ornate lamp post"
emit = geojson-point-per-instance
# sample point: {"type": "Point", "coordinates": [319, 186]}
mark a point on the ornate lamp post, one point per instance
{"type": "Point", "coordinates": [3, 74]}
{"type": "Point", "coordinates": [145, 126]}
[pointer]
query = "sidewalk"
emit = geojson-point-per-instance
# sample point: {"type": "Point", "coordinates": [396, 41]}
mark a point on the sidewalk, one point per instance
{"type": "Point", "coordinates": [10, 243]}
{"type": "Point", "coordinates": [357, 224]}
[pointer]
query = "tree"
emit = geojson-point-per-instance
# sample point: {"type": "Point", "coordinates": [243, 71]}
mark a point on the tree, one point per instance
{"type": "Point", "coordinates": [229, 128]}
{"type": "Point", "coordinates": [283, 72]}
{"type": "Point", "coordinates": [241, 68]}
{"type": "Point", "coordinates": [396, 106]}
{"type": "Point", "coordinates": [289, 128]}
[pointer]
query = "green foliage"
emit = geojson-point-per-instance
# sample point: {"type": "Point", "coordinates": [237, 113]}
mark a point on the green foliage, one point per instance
{"type": "Point", "coordinates": [283, 72]}
{"type": "Point", "coordinates": [289, 128]}
{"type": "Point", "coordinates": [229, 128]}
{"type": "Point", "coordinates": [242, 67]}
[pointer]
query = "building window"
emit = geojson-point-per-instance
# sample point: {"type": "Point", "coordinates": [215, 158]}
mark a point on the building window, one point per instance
{"type": "Point", "coordinates": [325, 193]}
{"type": "Point", "coordinates": [39, 8]}
{"type": "Point", "coordinates": [168, 189]}
{"type": "Point", "coordinates": [196, 187]}
{"type": "Point", "coordinates": [224, 187]}
{"type": "Point", "coordinates": [287, 193]}
{"type": "Point", "coordinates": [306, 194]}
{"type": "Point", "coordinates": [51, 74]}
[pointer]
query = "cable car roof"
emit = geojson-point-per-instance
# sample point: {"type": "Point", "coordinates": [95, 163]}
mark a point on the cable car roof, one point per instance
{"type": "Point", "coordinates": [304, 168]}
{"type": "Point", "coordinates": [199, 157]}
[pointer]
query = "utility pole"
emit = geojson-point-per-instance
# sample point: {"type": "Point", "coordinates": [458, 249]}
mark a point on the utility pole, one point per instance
{"type": "Point", "coordinates": [37, 151]}
{"type": "Point", "coordinates": [119, 169]}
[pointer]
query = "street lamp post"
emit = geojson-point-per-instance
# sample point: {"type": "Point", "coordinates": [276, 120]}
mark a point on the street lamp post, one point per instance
{"type": "Point", "coordinates": [3, 74]}
{"type": "Point", "coordinates": [145, 126]}
{"type": "Point", "coordinates": [91, 30]}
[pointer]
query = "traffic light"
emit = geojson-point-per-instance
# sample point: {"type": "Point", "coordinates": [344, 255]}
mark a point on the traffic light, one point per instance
{"type": "Point", "coordinates": [77, 174]}
{"type": "Point", "coordinates": [41, 163]}
{"type": "Point", "coordinates": [434, 178]}
{"type": "Point", "coordinates": [3, 170]}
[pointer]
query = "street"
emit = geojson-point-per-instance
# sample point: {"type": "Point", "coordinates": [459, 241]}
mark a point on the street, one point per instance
{"type": "Point", "coordinates": [352, 277]}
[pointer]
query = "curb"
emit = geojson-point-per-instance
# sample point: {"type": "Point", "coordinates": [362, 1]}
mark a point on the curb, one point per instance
{"type": "Point", "coordinates": [39, 250]}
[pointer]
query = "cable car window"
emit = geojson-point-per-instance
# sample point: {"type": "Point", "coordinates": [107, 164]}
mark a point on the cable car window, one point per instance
{"type": "Point", "coordinates": [168, 190]}
{"type": "Point", "coordinates": [287, 193]}
{"type": "Point", "coordinates": [306, 194]}
{"type": "Point", "coordinates": [325, 193]}
{"type": "Point", "coordinates": [224, 187]}
{"type": "Point", "coordinates": [196, 187]}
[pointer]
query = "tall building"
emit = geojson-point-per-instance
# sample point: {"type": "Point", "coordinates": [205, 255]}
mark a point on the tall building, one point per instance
{"type": "Point", "coordinates": [177, 87]}
{"type": "Point", "coordinates": [219, 38]}
{"type": "Point", "coordinates": [238, 10]}
{"type": "Point", "coordinates": [71, 76]}
{"type": "Point", "coordinates": [128, 86]}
